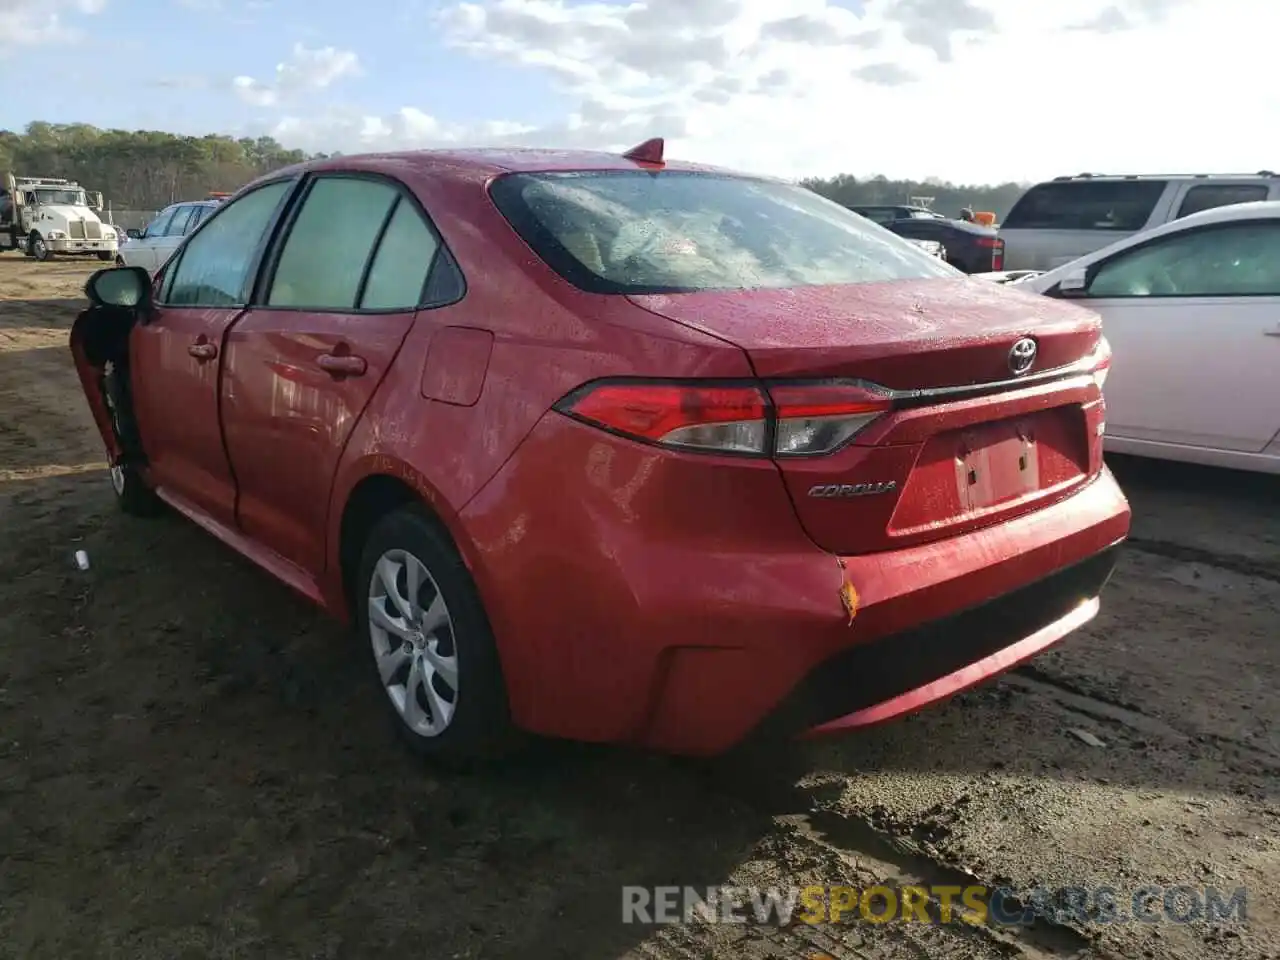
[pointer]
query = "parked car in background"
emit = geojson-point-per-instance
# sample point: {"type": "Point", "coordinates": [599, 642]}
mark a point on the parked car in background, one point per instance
{"type": "Point", "coordinates": [609, 448]}
{"type": "Point", "coordinates": [151, 246]}
{"type": "Point", "coordinates": [885, 214]}
{"type": "Point", "coordinates": [1055, 222]}
{"type": "Point", "coordinates": [1192, 311]}
{"type": "Point", "coordinates": [969, 247]}
{"type": "Point", "coordinates": [931, 247]}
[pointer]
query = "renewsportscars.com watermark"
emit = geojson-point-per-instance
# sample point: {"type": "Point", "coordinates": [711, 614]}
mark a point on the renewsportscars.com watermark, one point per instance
{"type": "Point", "coordinates": [979, 905]}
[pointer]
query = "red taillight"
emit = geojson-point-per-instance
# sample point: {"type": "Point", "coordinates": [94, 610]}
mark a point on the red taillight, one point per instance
{"type": "Point", "coordinates": [815, 418]}
{"type": "Point", "coordinates": [725, 418]}
{"type": "Point", "coordinates": [785, 419]}
{"type": "Point", "coordinates": [1102, 361]}
{"type": "Point", "coordinates": [996, 246]}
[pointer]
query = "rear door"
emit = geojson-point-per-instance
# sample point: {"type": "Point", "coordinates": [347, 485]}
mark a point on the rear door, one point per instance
{"type": "Point", "coordinates": [333, 308]}
{"type": "Point", "coordinates": [1194, 323]}
{"type": "Point", "coordinates": [1054, 223]}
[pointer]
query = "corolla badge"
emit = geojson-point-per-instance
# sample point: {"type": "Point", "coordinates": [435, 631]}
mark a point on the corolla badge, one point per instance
{"type": "Point", "coordinates": [1022, 356]}
{"type": "Point", "coordinates": [841, 490]}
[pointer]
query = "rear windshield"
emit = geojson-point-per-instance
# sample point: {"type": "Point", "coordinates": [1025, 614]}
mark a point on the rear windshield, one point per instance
{"type": "Point", "coordinates": [629, 232]}
{"type": "Point", "coordinates": [1120, 205]}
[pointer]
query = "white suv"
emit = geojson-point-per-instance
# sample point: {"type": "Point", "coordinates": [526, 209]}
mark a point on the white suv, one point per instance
{"type": "Point", "coordinates": [1055, 222]}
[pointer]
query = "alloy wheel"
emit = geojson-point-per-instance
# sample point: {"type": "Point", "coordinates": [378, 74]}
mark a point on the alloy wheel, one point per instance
{"type": "Point", "coordinates": [413, 643]}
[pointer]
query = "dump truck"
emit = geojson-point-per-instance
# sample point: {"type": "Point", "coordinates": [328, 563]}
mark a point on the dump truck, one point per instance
{"type": "Point", "coordinates": [48, 216]}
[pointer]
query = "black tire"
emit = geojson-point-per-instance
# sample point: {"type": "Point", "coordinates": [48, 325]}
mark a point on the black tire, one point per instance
{"type": "Point", "coordinates": [119, 261]}
{"type": "Point", "coordinates": [133, 496]}
{"type": "Point", "coordinates": [106, 255]}
{"type": "Point", "coordinates": [480, 728]}
{"type": "Point", "coordinates": [38, 248]}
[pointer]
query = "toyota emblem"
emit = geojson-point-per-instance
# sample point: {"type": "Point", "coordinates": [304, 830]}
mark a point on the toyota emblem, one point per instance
{"type": "Point", "coordinates": [1022, 356]}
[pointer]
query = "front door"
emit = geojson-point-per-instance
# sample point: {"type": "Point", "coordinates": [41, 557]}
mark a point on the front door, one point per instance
{"type": "Point", "coordinates": [305, 361]}
{"type": "Point", "coordinates": [178, 352]}
{"type": "Point", "coordinates": [1191, 319]}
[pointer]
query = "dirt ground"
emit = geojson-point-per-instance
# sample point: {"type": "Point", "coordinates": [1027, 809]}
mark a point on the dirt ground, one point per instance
{"type": "Point", "coordinates": [192, 764]}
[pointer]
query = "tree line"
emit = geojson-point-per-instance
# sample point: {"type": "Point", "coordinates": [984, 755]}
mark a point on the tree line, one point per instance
{"type": "Point", "coordinates": [148, 169]}
{"type": "Point", "coordinates": [140, 169]}
{"type": "Point", "coordinates": [946, 198]}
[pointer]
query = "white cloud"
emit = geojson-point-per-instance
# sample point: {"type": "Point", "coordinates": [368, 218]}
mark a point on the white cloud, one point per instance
{"type": "Point", "coordinates": [306, 70]}
{"type": "Point", "coordinates": [970, 90]}
{"type": "Point", "coordinates": [26, 23]}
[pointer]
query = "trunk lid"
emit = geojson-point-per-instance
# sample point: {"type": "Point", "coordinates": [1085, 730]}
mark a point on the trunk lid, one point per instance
{"type": "Point", "coordinates": [906, 335]}
{"type": "Point", "coordinates": [935, 465]}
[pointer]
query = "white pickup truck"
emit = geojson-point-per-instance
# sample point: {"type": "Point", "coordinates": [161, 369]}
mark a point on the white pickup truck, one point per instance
{"type": "Point", "coordinates": [44, 216]}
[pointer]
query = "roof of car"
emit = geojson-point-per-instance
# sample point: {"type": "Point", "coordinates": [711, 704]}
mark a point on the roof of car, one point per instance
{"type": "Point", "coordinates": [492, 161]}
{"type": "Point", "coordinates": [1257, 209]}
{"type": "Point", "coordinates": [1086, 177]}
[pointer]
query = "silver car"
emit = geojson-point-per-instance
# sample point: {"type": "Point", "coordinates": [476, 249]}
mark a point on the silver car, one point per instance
{"type": "Point", "coordinates": [150, 247]}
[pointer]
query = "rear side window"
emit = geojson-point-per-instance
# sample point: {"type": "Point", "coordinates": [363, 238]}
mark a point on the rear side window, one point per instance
{"type": "Point", "coordinates": [214, 266]}
{"type": "Point", "coordinates": [398, 274]}
{"type": "Point", "coordinates": [635, 232]}
{"type": "Point", "coordinates": [330, 242]}
{"type": "Point", "coordinates": [1119, 205]}
{"type": "Point", "coordinates": [196, 216]}
{"type": "Point", "coordinates": [1208, 196]}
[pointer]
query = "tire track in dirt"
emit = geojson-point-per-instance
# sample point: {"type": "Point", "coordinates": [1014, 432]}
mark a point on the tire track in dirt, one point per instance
{"type": "Point", "coordinates": [1244, 566]}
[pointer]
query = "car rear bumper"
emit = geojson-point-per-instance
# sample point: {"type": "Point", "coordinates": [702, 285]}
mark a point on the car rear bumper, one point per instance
{"type": "Point", "coordinates": [932, 621]}
{"type": "Point", "coordinates": [624, 613]}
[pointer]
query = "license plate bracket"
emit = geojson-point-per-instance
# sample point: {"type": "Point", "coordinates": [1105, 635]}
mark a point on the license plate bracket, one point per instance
{"type": "Point", "coordinates": [995, 463]}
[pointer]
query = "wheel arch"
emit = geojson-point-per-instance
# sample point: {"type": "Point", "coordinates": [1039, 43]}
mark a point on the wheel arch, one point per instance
{"type": "Point", "coordinates": [373, 488]}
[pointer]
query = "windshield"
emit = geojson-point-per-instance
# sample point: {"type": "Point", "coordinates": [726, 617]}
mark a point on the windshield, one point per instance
{"type": "Point", "coordinates": [639, 232]}
{"type": "Point", "coordinates": [69, 198]}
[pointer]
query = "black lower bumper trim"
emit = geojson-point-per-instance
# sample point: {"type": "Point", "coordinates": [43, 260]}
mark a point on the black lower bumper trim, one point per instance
{"type": "Point", "coordinates": [871, 673]}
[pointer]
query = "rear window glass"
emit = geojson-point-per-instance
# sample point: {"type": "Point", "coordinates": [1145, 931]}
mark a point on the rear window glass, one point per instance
{"type": "Point", "coordinates": [1121, 205]}
{"type": "Point", "coordinates": [877, 214]}
{"type": "Point", "coordinates": [1211, 196]}
{"type": "Point", "coordinates": [675, 232]}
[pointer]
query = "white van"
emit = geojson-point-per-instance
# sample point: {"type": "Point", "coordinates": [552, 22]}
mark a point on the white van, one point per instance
{"type": "Point", "coordinates": [1055, 222]}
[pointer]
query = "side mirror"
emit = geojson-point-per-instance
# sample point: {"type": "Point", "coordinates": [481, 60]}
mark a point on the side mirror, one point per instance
{"type": "Point", "coordinates": [96, 200]}
{"type": "Point", "coordinates": [133, 233]}
{"type": "Point", "coordinates": [1074, 284]}
{"type": "Point", "coordinates": [119, 287]}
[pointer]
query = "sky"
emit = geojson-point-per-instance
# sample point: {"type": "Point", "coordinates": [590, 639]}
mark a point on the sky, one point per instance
{"type": "Point", "coordinates": [971, 91]}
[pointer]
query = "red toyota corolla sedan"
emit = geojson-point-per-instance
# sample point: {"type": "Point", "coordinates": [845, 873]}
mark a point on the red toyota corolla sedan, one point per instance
{"type": "Point", "coordinates": [612, 448]}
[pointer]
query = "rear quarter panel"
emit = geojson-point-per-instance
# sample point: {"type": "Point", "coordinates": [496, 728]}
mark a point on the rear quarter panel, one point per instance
{"type": "Point", "coordinates": [548, 338]}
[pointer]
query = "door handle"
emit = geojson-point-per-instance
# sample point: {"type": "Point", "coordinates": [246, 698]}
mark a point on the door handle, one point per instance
{"type": "Point", "coordinates": [203, 350]}
{"type": "Point", "coordinates": [342, 364]}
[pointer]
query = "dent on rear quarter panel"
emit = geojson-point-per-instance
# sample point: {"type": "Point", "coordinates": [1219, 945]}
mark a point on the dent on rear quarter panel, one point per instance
{"type": "Point", "coordinates": [547, 339]}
